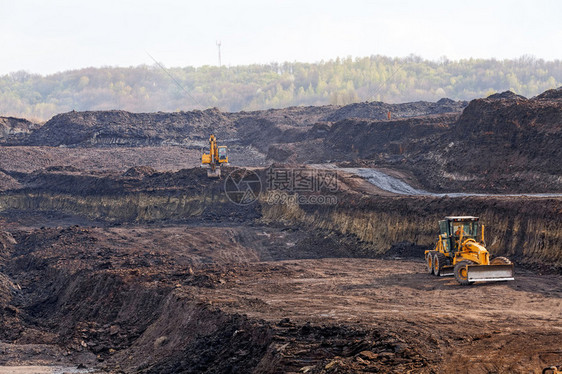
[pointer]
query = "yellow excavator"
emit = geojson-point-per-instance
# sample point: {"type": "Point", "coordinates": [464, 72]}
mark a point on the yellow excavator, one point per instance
{"type": "Point", "coordinates": [459, 253]}
{"type": "Point", "coordinates": [215, 158]}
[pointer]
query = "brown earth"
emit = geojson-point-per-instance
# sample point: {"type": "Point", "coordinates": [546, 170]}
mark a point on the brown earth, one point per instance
{"type": "Point", "coordinates": [210, 286]}
{"type": "Point", "coordinates": [503, 143]}
{"type": "Point", "coordinates": [116, 255]}
{"type": "Point", "coordinates": [15, 129]}
{"type": "Point", "coordinates": [240, 298]}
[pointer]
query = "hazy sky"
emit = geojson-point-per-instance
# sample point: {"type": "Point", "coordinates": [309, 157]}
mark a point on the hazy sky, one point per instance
{"type": "Point", "coordinates": [49, 36]}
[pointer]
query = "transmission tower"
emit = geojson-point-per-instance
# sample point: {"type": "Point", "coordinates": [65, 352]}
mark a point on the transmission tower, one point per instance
{"type": "Point", "coordinates": [219, 46]}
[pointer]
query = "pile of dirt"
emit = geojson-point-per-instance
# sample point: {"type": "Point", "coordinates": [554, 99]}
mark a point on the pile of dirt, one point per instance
{"type": "Point", "coordinates": [10, 323]}
{"type": "Point", "coordinates": [7, 182]}
{"type": "Point", "coordinates": [69, 180]}
{"type": "Point", "coordinates": [14, 129]}
{"type": "Point", "coordinates": [555, 93]}
{"type": "Point", "coordinates": [292, 347]}
{"type": "Point", "coordinates": [391, 139]}
{"type": "Point", "coordinates": [139, 172]}
{"type": "Point", "coordinates": [501, 144]}
{"type": "Point", "coordinates": [379, 110]}
{"type": "Point", "coordinates": [510, 141]}
{"type": "Point", "coordinates": [120, 128]}
{"type": "Point", "coordinates": [7, 241]}
{"type": "Point", "coordinates": [259, 129]}
{"type": "Point", "coordinates": [509, 95]}
{"type": "Point", "coordinates": [405, 250]}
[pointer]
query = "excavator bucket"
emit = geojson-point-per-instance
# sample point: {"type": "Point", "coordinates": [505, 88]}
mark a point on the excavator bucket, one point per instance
{"type": "Point", "coordinates": [490, 273]}
{"type": "Point", "coordinates": [214, 173]}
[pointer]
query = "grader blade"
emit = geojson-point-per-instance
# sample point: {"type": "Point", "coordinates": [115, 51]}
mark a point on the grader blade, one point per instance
{"type": "Point", "coordinates": [490, 273]}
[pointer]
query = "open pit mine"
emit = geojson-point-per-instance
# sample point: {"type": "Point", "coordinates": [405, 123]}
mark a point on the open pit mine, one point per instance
{"type": "Point", "coordinates": [308, 253]}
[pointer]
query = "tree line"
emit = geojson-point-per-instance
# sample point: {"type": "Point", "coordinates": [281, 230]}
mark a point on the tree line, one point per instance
{"type": "Point", "coordinates": [275, 85]}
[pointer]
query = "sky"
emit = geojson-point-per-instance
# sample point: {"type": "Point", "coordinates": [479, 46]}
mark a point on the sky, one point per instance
{"type": "Point", "coordinates": [46, 37]}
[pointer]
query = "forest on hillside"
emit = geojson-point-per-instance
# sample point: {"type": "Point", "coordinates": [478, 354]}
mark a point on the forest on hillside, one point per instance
{"type": "Point", "coordinates": [253, 87]}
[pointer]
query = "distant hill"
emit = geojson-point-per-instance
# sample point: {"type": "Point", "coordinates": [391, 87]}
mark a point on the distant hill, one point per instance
{"type": "Point", "coordinates": [277, 85]}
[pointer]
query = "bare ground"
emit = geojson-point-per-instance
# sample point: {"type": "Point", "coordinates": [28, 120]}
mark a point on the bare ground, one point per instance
{"type": "Point", "coordinates": [303, 289]}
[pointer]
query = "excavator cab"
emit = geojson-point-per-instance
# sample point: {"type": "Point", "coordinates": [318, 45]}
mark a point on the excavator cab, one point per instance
{"type": "Point", "coordinates": [223, 156]}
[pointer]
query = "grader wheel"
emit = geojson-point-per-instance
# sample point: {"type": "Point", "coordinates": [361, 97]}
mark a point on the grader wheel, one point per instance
{"type": "Point", "coordinates": [461, 273]}
{"type": "Point", "coordinates": [439, 260]}
{"type": "Point", "coordinates": [429, 262]}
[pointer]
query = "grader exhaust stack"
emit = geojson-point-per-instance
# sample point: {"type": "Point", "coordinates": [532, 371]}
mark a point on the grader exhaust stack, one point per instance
{"type": "Point", "coordinates": [458, 252]}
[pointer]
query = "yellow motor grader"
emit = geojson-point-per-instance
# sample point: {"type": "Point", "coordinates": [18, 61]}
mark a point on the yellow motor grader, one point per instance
{"type": "Point", "coordinates": [459, 253]}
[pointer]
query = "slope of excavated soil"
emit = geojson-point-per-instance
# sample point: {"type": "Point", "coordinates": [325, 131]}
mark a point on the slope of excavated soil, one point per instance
{"type": "Point", "coordinates": [525, 228]}
{"type": "Point", "coordinates": [500, 144]}
{"type": "Point", "coordinates": [118, 127]}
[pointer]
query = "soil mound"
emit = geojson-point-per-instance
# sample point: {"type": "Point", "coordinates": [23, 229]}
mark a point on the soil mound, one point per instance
{"type": "Point", "coordinates": [7, 182]}
{"type": "Point", "coordinates": [379, 110]}
{"type": "Point", "coordinates": [65, 168]}
{"type": "Point", "coordinates": [12, 128]}
{"type": "Point", "coordinates": [120, 128]}
{"type": "Point", "coordinates": [507, 95]}
{"type": "Point", "coordinates": [368, 139]}
{"type": "Point", "coordinates": [139, 172]}
{"type": "Point", "coordinates": [554, 94]}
